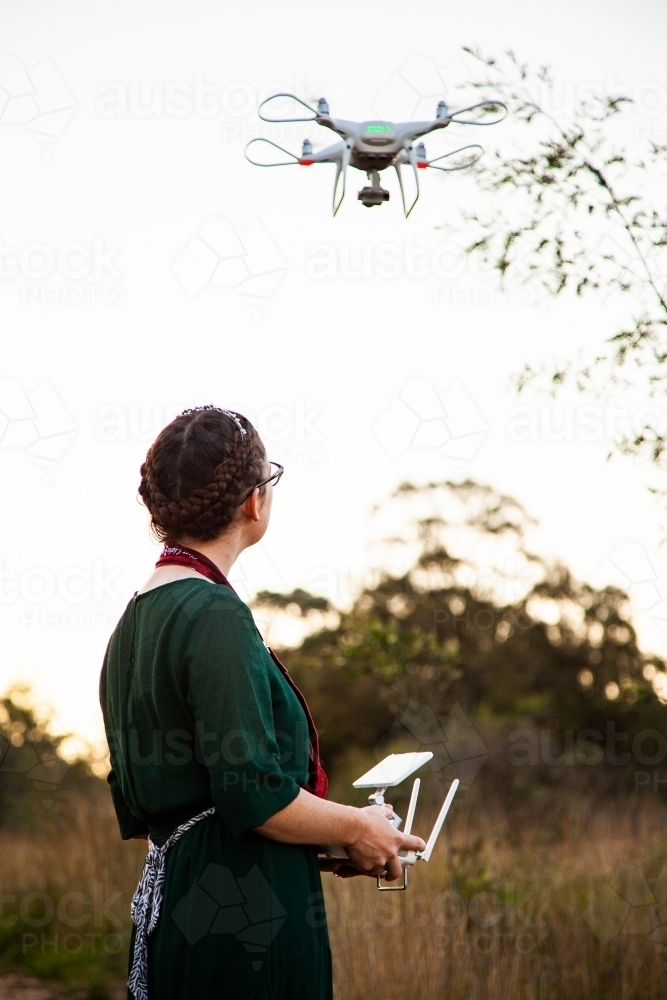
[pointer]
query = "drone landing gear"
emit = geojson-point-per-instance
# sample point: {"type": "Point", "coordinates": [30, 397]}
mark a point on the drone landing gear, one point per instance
{"type": "Point", "coordinates": [374, 195]}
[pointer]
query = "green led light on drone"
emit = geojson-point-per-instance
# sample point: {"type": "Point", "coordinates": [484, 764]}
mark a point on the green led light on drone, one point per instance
{"type": "Point", "coordinates": [378, 128]}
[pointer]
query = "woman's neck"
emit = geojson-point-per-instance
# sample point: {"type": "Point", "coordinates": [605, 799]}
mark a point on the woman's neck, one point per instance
{"type": "Point", "coordinates": [223, 551]}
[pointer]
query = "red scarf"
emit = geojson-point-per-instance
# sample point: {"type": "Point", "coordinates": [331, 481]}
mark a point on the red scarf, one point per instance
{"type": "Point", "coordinates": [178, 555]}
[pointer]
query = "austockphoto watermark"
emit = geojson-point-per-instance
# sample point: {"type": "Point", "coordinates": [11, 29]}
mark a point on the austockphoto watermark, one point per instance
{"type": "Point", "coordinates": [484, 620]}
{"type": "Point", "coordinates": [37, 422]}
{"type": "Point", "coordinates": [37, 98]}
{"type": "Point", "coordinates": [630, 904]}
{"type": "Point", "coordinates": [490, 918]}
{"type": "Point", "coordinates": [219, 902]}
{"type": "Point", "coordinates": [425, 416]}
{"type": "Point", "coordinates": [507, 583]}
{"type": "Point", "coordinates": [457, 749]}
{"type": "Point", "coordinates": [286, 134]}
{"type": "Point", "coordinates": [22, 751]}
{"type": "Point", "coordinates": [390, 261]}
{"type": "Point", "coordinates": [291, 429]}
{"type": "Point", "coordinates": [75, 923]}
{"type": "Point", "coordinates": [223, 255]}
{"type": "Point", "coordinates": [414, 91]}
{"type": "Point", "coordinates": [251, 760]}
{"type": "Point", "coordinates": [420, 80]}
{"type": "Point", "coordinates": [73, 943]}
{"type": "Point", "coordinates": [589, 747]}
{"type": "Point", "coordinates": [196, 96]}
{"type": "Point", "coordinates": [72, 599]}
{"type": "Point", "coordinates": [653, 132]}
{"type": "Point", "coordinates": [452, 276]}
{"type": "Point", "coordinates": [643, 576]}
{"type": "Point", "coordinates": [584, 422]}
{"type": "Point", "coordinates": [72, 910]}
{"type": "Point", "coordinates": [647, 98]}
{"type": "Point", "coordinates": [74, 274]}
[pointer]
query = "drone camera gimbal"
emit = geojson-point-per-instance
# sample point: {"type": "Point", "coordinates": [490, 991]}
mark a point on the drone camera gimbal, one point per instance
{"type": "Point", "coordinates": [374, 195]}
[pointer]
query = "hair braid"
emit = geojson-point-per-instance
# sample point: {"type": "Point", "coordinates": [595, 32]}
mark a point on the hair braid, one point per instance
{"type": "Point", "coordinates": [196, 472]}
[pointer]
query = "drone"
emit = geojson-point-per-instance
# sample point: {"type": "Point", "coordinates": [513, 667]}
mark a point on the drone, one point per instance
{"type": "Point", "coordinates": [390, 772]}
{"type": "Point", "coordinates": [372, 146]}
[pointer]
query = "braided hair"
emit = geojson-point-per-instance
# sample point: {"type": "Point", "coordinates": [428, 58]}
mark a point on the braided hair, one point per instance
{"type": "Point", "coordinates": [197, 471]}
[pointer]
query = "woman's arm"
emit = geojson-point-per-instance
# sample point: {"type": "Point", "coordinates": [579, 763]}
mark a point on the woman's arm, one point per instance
{"type": "Point", "coordinates": [366, 834]}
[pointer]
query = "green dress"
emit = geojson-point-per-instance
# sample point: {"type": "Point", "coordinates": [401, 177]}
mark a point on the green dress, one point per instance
{"type": "Point", "coordinates": [197, 714]}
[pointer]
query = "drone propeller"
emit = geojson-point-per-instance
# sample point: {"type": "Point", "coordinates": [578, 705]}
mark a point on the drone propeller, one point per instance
{"type": "Point", "coordinates": [467, 155]}
{"type": "Point", "coordinates": [281, 163]}
{"type": "Point", "coordinates": [321, 109]}
{"type": "Point", "coordinates": [480, 111]}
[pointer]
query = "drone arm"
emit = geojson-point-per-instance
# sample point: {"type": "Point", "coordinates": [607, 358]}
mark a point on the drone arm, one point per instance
{"type": "Point", "coordinates": [332, 154]}
{"type": "Point", "coordinates": [409, 131]}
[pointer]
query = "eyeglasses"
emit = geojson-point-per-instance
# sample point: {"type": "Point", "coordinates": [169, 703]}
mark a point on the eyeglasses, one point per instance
{"type": "Point", "coordinates": [273, 478]}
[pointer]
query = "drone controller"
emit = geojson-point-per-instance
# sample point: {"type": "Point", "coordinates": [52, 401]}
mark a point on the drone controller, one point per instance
{"type": "Point", "coordinates": [390, 772]}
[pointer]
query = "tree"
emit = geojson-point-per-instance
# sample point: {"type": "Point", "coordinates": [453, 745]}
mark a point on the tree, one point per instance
{"type": "Point", "coordinates": [33, 772]}
{"type": "Point", "coordinates": [582, 209]}
{"type": "Point", "coordinates": [479, 621]}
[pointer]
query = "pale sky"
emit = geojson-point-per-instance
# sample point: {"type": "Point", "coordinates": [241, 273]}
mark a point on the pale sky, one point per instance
{"type": "Point", "coordinates": [147, 266]}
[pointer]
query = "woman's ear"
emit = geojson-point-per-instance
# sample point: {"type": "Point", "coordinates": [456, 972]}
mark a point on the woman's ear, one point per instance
{"type": "Point", "coordinates": [252, 506]}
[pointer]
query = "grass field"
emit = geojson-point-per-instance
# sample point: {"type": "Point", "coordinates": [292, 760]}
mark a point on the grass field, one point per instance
{"type": "Point", "coordinates": [503, 913]}
{"type": "Point", "coordinates": [561, 903]}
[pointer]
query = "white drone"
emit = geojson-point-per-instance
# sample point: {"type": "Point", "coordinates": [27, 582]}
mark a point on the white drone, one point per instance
{"type": "Point", "coordinates": [390, 772]}
{"type": "Point", "coordinates": [373, 146]}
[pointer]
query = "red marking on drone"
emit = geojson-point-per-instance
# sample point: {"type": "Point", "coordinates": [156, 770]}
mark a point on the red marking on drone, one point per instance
{"type": "Point", "coordinates": [421, 166]}
{"type": "Point", "coordinates": [306, 163]}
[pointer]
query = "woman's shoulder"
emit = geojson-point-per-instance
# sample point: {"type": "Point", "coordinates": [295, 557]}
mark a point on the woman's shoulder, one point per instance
{"type": "Point", "coordinates": [194, 597]}
{"type": "Point", "coordinates": [208, 615]}
{"type": "Point", "coordinates": [186, 613]}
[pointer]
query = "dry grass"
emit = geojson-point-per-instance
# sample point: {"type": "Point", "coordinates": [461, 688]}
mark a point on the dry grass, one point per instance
{"type": "Point", "coordinates": [497, 915]}
{"type": "Point", "coordinates": [67, 883]}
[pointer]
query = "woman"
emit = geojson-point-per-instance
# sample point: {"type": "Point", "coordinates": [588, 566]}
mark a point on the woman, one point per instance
{"type": "Point", "coordinates": [214, 755]}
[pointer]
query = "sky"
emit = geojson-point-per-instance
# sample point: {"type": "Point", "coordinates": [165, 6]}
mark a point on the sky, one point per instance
{"type": "Point", "coordinates": [146, 266]}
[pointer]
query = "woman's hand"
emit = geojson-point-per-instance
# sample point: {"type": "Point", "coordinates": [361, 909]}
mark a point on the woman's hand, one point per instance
{"type": "Point", "coordinates": [340, 868]}
{"type": "Point", "coordinates": [367, 835]}
{"type": "Point", "coordinates": [376, 844]}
